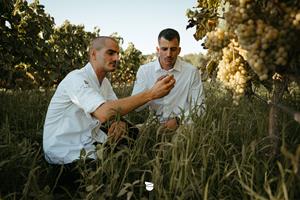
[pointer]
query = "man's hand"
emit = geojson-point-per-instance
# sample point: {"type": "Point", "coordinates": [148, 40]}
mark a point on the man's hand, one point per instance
{"type": "Point", "coordinates": [161, 77]}
{"type": "Point", "coordinates": [163, 86]}
{"type": "Point", "coordinates": [117, 130]}
{"type": "Point", "coordinates": [171, 124]}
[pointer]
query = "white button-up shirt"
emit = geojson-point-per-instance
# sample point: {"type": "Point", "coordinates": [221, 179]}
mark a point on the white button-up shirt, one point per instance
{"type": "Point", "coordinates": [69, 126]}
{"type": "Point", "coordinates": [187, 96]}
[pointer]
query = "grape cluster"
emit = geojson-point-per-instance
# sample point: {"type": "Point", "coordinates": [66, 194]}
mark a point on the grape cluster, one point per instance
{"type": "Point", "coordinates": [291, 15]}
{"type": "Point", "coordinates": [233, 72]}
{"type": "Point", "coordinates": [217, 39]}
{"type": "Point", "coordinates": [260, 38]}
{"type": "Point", "coordinates": [263, 39]}
{"type": "Point", "coordinates": [296, 19]}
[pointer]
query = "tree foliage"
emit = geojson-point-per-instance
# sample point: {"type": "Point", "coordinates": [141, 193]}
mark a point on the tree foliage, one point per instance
{"type": "Point", "coordinates": [131, 59]}
{"type": "Point", "coordinates": [204, 17]}
{"type": "Point", "coordinates": [24, 30]}
{"type": "Point", "coordinates": [69, 49]}
{"type": "Point", "coordinates": [35, 53]}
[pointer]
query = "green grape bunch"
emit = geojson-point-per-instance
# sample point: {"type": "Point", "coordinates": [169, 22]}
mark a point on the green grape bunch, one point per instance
{"type": "Point", "coordinates": [263, 35]}
{"type": "Point", "coordinates": [233, 72]}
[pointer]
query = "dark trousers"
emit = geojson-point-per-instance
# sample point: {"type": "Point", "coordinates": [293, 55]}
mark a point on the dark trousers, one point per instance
{"type": "Point", "coordinates": [65, 177]}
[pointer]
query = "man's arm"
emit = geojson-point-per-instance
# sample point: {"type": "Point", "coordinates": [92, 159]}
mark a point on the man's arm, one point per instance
{"type": "Point", "coordinates": [123, 106]}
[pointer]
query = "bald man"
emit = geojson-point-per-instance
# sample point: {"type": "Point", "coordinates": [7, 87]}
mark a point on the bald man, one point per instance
{"type": "Point", "coordinates": [84, 100]}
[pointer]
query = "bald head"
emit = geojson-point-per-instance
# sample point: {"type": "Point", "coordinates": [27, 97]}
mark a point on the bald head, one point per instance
{"type": "Point", "coordinates": [99, 42]}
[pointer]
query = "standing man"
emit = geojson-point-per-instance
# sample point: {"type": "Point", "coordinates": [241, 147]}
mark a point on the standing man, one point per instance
{"type": "Point", "coordinates": [84, 100]}
{"type": "Point", "coordinates": [186, 97]}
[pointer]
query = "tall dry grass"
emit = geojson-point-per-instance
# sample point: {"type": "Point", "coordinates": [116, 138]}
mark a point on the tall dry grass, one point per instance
{"type": "Point", "coordinates": [224, 155]}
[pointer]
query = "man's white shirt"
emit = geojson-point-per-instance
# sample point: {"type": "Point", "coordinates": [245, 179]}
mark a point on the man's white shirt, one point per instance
{"type": "Point", "coordinates": [184, 98]}
{"type": "Point", "coordinates": [69, 126]}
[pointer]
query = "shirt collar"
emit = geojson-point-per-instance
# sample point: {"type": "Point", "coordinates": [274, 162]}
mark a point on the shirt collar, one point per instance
{"type": "Point", "coordinates": [91, 73]}
{"type": "Point", "coordinates": [177, 66]}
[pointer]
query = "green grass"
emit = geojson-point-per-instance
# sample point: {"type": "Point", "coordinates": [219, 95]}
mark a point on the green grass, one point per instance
{"type": "Point", "coordinates": [225, 155]}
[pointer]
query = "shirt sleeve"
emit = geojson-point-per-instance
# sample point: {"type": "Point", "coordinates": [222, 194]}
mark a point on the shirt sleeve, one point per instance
{"type": "Point", "coordinates": [140, 82]}
{"type": "Point", "coordinates": [84, 95]}
{"type": "Point", "coordinates": [140, 86]}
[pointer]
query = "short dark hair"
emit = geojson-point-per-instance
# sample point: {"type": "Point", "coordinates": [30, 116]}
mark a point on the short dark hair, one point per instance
{"type": "Point", "coordinates": [98, 43]}
{"type": "Point", "coordinates": [169, 34]}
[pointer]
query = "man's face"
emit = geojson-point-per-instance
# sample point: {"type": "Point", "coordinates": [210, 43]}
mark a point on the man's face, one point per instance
{"type": "Point", "coordinates": [108, 57]}
{"type": "Point", "coordinates": [168, 52]}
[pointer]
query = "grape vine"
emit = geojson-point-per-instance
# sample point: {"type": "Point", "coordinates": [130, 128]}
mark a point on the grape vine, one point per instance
{"type": "Point", "coordinates": [252, 41]}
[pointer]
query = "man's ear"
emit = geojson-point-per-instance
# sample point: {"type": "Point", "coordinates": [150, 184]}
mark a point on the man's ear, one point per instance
{"type": "Point", "coordinates": [157, 49]}
{"type": "Point", "coordinates": [179, 50]}
{"type": "Point", "coordinates": [93, 54]}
